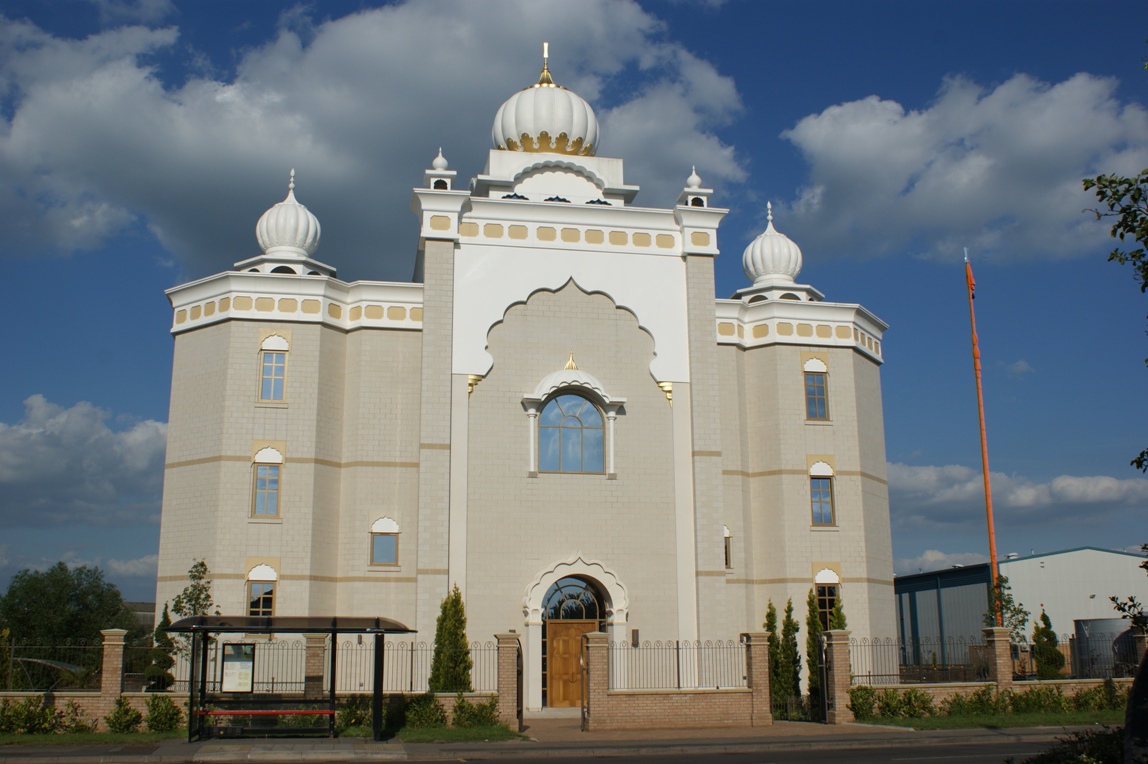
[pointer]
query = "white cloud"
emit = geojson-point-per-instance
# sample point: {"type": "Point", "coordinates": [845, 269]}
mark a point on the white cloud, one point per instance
{"type": "Point", "coordinates": [141, 567]}
{"type": "Point", "coordinates": [97, 143]}
{"type": "Point", "coordinates": [953, 495]}
{"type": "Point", "coordinates": [67, 467]}
{"type": "Point", "coordinates": [935, 559]}
{"type": "Point", "coordinates": [1019, 367]}
{"type": "Point", "coordinates": [995, 169]}
{"type": "Point", "coordinates": [128, 11]}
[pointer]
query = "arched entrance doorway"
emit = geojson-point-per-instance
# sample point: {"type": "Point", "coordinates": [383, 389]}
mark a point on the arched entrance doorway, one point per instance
{"type": "Point", "coordinates": [573, 606]}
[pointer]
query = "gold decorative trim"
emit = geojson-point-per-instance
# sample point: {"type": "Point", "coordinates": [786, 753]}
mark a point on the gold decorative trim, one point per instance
{"type": "Point", "coordinates": [668, 389]}
{"type": "Point", "coordinates": [293, 460]}
{"type": "Point", "coordinates": [435, 446]}
{"type": "Point", "coordinates": [472, 381]}
{"type": "Point", "coordinates": [707, 453]}
{"type": "Point", "coordinates": [701, 573]}
{"type": "Point", "coordinates": [432, 571]}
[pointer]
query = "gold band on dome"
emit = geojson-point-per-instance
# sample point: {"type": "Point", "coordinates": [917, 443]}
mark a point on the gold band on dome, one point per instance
{"type": "Point", "coordinates": [544, 144]}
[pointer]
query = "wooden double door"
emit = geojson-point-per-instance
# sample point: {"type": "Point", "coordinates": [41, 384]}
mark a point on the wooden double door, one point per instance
{"type": "Point", "coordinates": [563, 661]}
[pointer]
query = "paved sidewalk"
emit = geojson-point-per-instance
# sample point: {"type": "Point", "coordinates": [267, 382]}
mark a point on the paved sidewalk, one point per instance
{"type": "Point", "coordinates": [546, 737]}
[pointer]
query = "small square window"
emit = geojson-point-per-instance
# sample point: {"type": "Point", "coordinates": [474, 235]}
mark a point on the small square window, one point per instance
{"type": "Point", "coordinates": [384, 549]}
{"type": "Point", "coordinates": [261, 598]}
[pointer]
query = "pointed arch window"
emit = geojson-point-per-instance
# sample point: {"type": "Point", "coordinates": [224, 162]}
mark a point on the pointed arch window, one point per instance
{"type": "Point", "coordinates": [261, 581]}
{"type": "Point", "coordinates": [273, 369]}
{"type": "Point", "coordinates": [268, 474]}
{"type": "Point", "coordinates": [816, 389]}
{"type": "Point", "coordinates": [821, 494]}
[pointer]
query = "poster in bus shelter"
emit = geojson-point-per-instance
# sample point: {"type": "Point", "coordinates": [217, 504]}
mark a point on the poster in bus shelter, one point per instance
{"type": "Point", "coordinates": [238, 668]}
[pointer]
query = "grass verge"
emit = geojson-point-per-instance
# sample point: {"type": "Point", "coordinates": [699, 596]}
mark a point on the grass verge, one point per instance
{"type": "Point", "coordinates": [1067, 719]}
{"type": "Point", "coordinates": [457, 734]}
{"type": "Point", "coordinates": [93, 738]}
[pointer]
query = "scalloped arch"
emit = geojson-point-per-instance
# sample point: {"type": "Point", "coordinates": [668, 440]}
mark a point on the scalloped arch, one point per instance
{"type": "Point", "coordinates": [588, 292]}
{"type": "Point", "coordinates": [617, 606]}
{"type": "Point", "coordinates": [576, 168]}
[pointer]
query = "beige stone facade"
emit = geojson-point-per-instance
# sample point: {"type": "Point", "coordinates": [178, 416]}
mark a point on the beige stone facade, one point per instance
{"type": "Point", "coordinates": [421, 408]}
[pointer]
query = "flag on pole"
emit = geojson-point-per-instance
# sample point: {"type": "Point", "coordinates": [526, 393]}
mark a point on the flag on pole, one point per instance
{"type": "Point", "coordinates": [969, 277]}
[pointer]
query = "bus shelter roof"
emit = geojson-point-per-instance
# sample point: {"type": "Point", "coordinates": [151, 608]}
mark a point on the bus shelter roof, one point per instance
{"type": "Point", "coordinates": [288, 624]}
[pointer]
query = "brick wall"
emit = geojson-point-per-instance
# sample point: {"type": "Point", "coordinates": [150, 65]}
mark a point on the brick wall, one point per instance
{"type": "Point", "coordinates": [665, 709]}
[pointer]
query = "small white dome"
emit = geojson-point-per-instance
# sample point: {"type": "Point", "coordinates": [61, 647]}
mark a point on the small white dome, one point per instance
{"type": "Point", "coordinates": [439, 162]}
{"type": "Point", "coordinates": [772, 256]}
{"type": "Point", "coordinates": [288, 227]}
{"type": "Point", "coordinates": [694, 181]}
{"type": "Point", "coordinates": [546, 118]}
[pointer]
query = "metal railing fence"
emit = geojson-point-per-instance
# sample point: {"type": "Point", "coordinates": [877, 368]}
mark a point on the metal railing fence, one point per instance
{"type": "Point", "coordinates": [676, 665]}
{"type": "Point", "coordinates": [880, 661]}
{"type": "Point", "coordinates": [38, 667]}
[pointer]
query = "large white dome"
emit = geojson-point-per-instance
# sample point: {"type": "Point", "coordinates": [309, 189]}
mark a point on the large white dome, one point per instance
{"type": "Point", "coordinates": [546, 118]}
{"type": "Point", "coordinates": [772, 257]}
{"type": "Point", "coordinates": [288, 227]}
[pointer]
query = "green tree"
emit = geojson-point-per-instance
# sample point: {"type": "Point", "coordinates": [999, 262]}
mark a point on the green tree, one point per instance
{"type": "Point", "coordinates": [1046, 649]}
{"type": "Point", "coordinates": [61, 604]}
{"type": "Point", "coordinates": [451, 663]}
{"type": "Point", "coordinates": [837, 615]}
{"type": "Point", "coordinates": [1125, 200]}
{"type": "Point", "coordinates": [790, 670]}
{"type": "Point", "coordinates": [770, 626]}
{"type": "Point", "coordinates": [813, 652]}
{"type": "Point", "coordinates": [158, 673]}
{"type": "Point", "coordinates": [195, 599]}
{"type": "Point", "coordinates": [1013, 616]}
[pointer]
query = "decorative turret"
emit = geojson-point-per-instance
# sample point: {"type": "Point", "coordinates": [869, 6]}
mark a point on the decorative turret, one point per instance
{"type": "Point", "coordinates": [772, 261]}
{"type": "Point", "coordinates": [288, 233]}
{"type": "Point", "coordinates": [546, 117]}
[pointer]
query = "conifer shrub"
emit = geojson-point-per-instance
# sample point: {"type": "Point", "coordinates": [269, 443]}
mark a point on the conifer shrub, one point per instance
{"type": "Point", "coordinates": [863, 702]}
{"type": "Point", "coordinates": [451, 662]}
{"type": "Point", "coordinates": [123, 717]}
{"type": "Point", "coordinates": [424, 711]}
{"type": "Point", "coordinates": [163, 715]}
{"type": "Point", "coordinates": [481, 714]}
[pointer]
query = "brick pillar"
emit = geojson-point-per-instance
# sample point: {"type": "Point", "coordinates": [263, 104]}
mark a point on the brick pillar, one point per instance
{"type": "Point", "coordinates": [509, 687]}
{"type": "Point", "coordinates": [597, 677]}
{"type": "Point", "coordinates": [1000, 656]}
{"type": "Point", "coordinates": [112, 671]}
{"type": "Point", "coordinates": [838, 676]}
{"type": "Point", "coordinates": [757, 678]}
{"type": "Point", "coordinates": [313, 666]}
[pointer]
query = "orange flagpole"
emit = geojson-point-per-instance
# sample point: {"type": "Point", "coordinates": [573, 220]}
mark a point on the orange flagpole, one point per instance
{"type": "Point", "coordinates": [984, 439]}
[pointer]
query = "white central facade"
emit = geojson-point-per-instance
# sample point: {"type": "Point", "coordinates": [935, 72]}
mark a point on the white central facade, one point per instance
{"type": "Point", "coordinates": [556, 399]}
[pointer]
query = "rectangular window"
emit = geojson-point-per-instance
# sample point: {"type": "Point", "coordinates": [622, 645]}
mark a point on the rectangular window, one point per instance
{"type": "Point", "coordinates": [384, 549]}
{"type": "Point", "coordinates": [266, 491]}
{"type": "Point", "coordinates": [261, 598]}
{"type": "Point", "coordinates": [826, 599]}
{"type": "Point", "coordinates": [821, 500]}
{"type": "Point", "coordinates": [272, 376]}
{"type": "Point", "coordinates": [728, 553]}
{"type": "Point", "coordinates": [816, 396]}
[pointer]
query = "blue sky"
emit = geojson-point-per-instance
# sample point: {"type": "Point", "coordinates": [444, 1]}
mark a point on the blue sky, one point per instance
{"type": "Point", "coordinates": [140, 140]}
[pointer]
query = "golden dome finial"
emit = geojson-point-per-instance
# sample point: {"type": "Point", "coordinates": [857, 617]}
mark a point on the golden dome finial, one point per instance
{"type": "Point", "coordinates": [570, 365]}
{"type": "Point", "coordinates": [545, 80]}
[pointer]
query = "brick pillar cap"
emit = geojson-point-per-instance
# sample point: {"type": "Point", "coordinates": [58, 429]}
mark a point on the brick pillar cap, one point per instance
{"type": "Point", "coordinates": [996, 631]}
{"type": "Point", "coordinates": [754, 636]}
{"type": "Point", "coordinates": [836, 632]}
{"type": "Point", "coordinates": [596, 636]}
{"type": "Point", "coordinates": [114, 632]}
{"type": "Point", "coordinates": [511, 636]}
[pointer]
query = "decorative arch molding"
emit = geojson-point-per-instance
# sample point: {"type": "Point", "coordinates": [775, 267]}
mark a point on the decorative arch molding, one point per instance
{"type": "Point", "coordinates": [557, 164]}
{"type": "Point", "coordinates": [827, 577]}
{"type": "Point", "coordinates": [566, 379]}
{"type": "Point", "coordinates": [268, 455]}
{"type": "Point", "coordinates": [384, 525]}
{"type": "Point", "coordinates": [618, 600]}
{"type": "Point", "coordinates": [815, 365]}
{"type": "Point", "coordinates": [275, 342]}
{"type": "Point", "coordinates": [262, 572]}
{"type": "Point", "coordinates": [496, 280]}
{"type": "Point", "coordinates": [820, 469]}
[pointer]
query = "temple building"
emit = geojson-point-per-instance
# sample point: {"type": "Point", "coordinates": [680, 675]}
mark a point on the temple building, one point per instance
{"type": "Point", "coordinates": [556, 415]}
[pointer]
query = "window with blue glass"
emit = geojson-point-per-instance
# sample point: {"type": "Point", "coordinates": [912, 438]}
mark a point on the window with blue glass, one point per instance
{"type": "Point", "coordinates": [570, 435]}
{"type": "Point", "coordinates": [266, 502]}
{"type": "Point", "coordinates": [816, 396]}
{"type": "Point", "coordinates": [272, 376]}
{"type": "Point", "coordinates": [821, 493]}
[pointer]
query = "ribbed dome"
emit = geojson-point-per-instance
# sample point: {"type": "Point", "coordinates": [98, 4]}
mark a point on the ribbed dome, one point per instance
{"type": "Point", "coordinates": [546, 118]}
{"type": "Point", "coordinates": [288, 227]}
{"type": "Point", "coordinates": [772, 256]}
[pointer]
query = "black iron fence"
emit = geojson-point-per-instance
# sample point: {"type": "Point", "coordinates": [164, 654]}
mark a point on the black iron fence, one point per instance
{"type": "Point", "coordinates": [676, 665]}
{"type": "Point", "coordinates": [957, 659]}
{"type": "Point", "coordinates": [280, 666]}
{"type": "Point", "coordinates": [40, 668]}
{"type": "Point", "coordinates": [895, 661]}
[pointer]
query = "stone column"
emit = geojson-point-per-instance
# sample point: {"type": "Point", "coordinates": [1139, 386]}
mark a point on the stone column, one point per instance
{"type": "Point", "coordinates": [757, 678]}
{"type": "Point", "coordinates": [597, 678]}
{"type": "Point", "coordinates": [838, 676]}
{"type": "Point", "coordinates": [112, 671]}
{"type": "Point", "coordinates": [999, 655]}
{"type": "Point", "coordinates": [509, 688]}
{"type": "Point", "coordinates": [313, 667]}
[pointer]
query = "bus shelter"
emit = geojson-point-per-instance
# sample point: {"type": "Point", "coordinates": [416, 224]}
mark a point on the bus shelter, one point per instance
{"type": "Point", "coordinates": [232, 694]}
